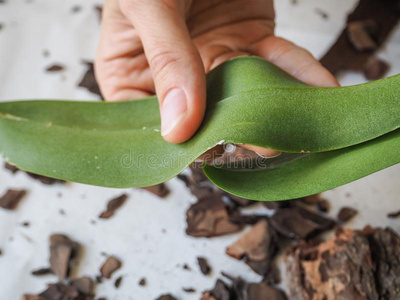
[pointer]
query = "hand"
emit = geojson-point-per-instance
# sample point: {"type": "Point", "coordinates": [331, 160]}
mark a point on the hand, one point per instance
{"type": "Point", "coordinates": [167, 46]}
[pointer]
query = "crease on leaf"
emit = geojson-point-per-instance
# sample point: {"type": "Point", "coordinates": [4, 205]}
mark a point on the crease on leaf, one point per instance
{"type": "Point", "coordinates": [12, 117]}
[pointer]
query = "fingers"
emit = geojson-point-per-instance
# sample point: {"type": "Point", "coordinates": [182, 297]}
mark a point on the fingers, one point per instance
{"type": "Point", "coordinates": [295, 60]}
{"type": "Point", "coordinates": [265, 152]}
{"type": "Point", "coordinates": [175, 64]}
{"type": "Point", "coordinates": [121, 67]}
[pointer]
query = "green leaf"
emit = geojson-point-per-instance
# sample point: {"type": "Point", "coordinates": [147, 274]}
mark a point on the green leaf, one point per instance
{"type": "Point", "coordinates": [250, 101]}
{"type": "Point", "coordinates": [312, 174]}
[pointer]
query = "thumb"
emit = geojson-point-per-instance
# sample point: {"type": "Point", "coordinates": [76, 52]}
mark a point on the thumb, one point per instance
{"type": "Point", "coordinates": [175, 63]}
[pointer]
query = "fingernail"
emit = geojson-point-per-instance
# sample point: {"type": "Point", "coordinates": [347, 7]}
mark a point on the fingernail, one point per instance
{"type": "Point", "coordinates": [173, 110]}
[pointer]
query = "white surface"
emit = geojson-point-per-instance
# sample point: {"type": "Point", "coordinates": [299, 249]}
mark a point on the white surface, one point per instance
{"type": "Point", "coordinates": [136, 233]}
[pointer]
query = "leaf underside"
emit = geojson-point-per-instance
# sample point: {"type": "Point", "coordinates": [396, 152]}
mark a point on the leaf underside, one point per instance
{"type": "Point", "coordinates": [350, 132]}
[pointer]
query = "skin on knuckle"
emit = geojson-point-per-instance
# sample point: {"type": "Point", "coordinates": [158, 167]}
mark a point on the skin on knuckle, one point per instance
{"type": "Point", "coordinates": [139, 5]}
{"type": "Point", "coordinates": [164, 62]}
{"type": "Point", "coordinates": [133, 5]}
{"type": "Point", "coordinates": [281, 51]}
{"type": "Point", "coordinates": [170, 4]}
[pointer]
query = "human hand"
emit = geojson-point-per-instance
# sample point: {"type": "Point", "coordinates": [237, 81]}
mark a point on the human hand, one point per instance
{"type": "Point", "coordinates": [167, 46]}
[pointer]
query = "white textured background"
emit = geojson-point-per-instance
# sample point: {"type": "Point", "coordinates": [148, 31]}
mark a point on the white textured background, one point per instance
{"type": "Point", "coordinates": [147, 233]}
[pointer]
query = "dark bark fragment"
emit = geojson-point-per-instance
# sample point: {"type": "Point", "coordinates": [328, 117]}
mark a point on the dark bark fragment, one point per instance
{"type": "Point", "coordinates": [209, 218]}
{"type": "Point", "coordinates": [62, 252]}
{"type": "Point", "coordinates": [385, 249]}
{"type": "Point", "coordinates": [323, 206]}
{"type": "Point", "coordinates": [257, 247]}
{"type": "Point", "coordinates": [375, 69]}
{"type": "Point", "coordinates": [361, 34]}
{"type": "Point", "coordinates": [117, 282]}
{"type": "Point", "coordinates": [11, 199]}
{"type": "Point", "coordinates": [394, 214]}
{"type": "Point", "coordinates": [142, 282]}
{"type": "Point", "coordinates": [111, 265]}
{"type": "Point", "coordinates": [112, 206]}
{"type": "Point", "coordinates": [204, 265]}
{"type": "Point", "coordinates": [42, 272]}
{"type": "Point", "coordinates": [11, 168]}
{"type": "Point", "coordinates": [343, 55]}
{"type": "Point", "coordinates": [44, 180]}
{"type": "Point", "coordinates": [346, 213]}
{"type": "Point", "coordinates": [83, 285]}
{"type": "Point", "coordinates": [244, 290]}
{"type": "Point", "coordinates": [55, 68]}
{"type": "Point", "coordinates": [160, 190]}
{"type": "Point", "coordinates": [299, 223]}
{"type": "Point", "coordinates": [166, 297]}
{"type": "Point", "coordinates": [89, 81]}
{"type": "Point", "coordinates": [340, 268]}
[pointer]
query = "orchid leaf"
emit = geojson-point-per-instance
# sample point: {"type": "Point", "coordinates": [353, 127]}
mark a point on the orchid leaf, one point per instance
{"type": "Point", "coordinates": [250, 101]}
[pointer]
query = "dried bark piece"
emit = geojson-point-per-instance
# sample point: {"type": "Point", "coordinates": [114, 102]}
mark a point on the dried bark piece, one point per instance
{"type": "Point", "coordinates": [60, 291]}
{"type": "Point", "coordinates": [83, 285]}
{"type": "Point", "coordinates": [11, 199]}
{"type": "Point", "coordinates": [55, 68]}
{"type": "Point", "coordinates": [343, 55]}
{"type": "Point", "coordinates": [112, 206]}
{"type": "Point", "coordinates": [346, 213]}
{"type": "Point", "coordinates": [312, 199]}
{"type": "Point", "coordinates": [197, 175]}
{"type": "Point", "coordinates": [244, 290]}
{"type": "Point", "coordinates": [198, 190]}
{"type": "Point", "coordinates": [42, 179]}
{"type": "Point", "coordinates": [45, 180]}
{"type": "Point", "coordinates": [242, 220]}
{"type": "Point", "coordinates": [62, 252]}
{"type": "Point", "coordinates": [209, 218]}
{"type": "Point", "coordinates": [198, 183]}
{"type": "Point", "coordinates": [42, 272]}
{"type": "Point", "coordinates": [161, 190]}
{"type": "Point", "coordinates": [376, 69]}
{"type": "Point", "coordinates": [189, 290]}
{"type": "Point", "coordinates": [166, 297]}
{"type": "Point", "coordinates": [299, 223]}
{"type": "Point", "coordinates": [257, 247]}
{"type": "Point", "coordinates": [385, 250]}
{"type": "Point", "coordinates": [118, 282]}
{"type": "Point", "coordinates": [11, 168]}
{"type": "Point", "coordinates": [275, 205]}
{"type": "Point", "coordinates": [111, 265]}
{"type": "Point", "coordinates": [89, 81]}
{"type": "Point", "coordinates": [31, 297]}
{"type": "Point", "coordinates": [360, 34]}
{"type": "Point", "coordinates": [323, 206]}
{"type": "Point", "coordinates": [394, 214]}
{"type": "Point", "coordinates": [204, 265]}
{"type": "Point", "coordinates": [261, 291]}
{"type": "Point", "coordinates": [221, 291]}
{"type": "Point", "coordinates": [142, 282]}
{"type": "Point", "coordinates": [340, 268]}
